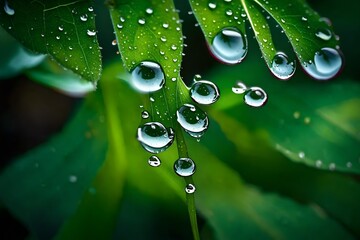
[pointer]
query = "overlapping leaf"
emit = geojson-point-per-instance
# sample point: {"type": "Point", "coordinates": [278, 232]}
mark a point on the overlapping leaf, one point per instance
{"type": "Point", "coordinates": [63, 29]}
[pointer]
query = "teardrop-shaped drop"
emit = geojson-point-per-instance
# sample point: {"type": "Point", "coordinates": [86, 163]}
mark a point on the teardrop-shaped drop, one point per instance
{"type": "Point", "coordinates": [229, 46]}
{"type": "Point", "coordinates": [184, 167]}
{"type": "Point", "coordinates": [194, 121]}
{"type": "Point", "coordinates": [281, 67]}
{"type": "Point", "coordinates": [326, 64]}
{"type": "Point", "coordinates": [147, 77]}
{"type": "Point", "coordinates": [154, 137]}
{"type": "Point", "coordinates": [204, 92]}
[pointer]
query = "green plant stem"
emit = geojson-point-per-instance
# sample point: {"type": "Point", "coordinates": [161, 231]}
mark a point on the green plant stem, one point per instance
{"type": "Point", "coordinates": [190, 198]}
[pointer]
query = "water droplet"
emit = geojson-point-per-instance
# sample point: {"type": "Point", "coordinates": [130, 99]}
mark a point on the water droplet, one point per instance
{"type": "Point", "coordinates": [255, 97]}
{"type": "Point", "coordinates": [229, 12]}
{"type": "Point", "coordinates": [239, 88]}
{"type": "Point", "coordinates": [9, 11]}
{"type": "Point", "coordinates": [84, 17]}
{"type": "Point", "coordinates": [119, 26]}
{"type": "Point", "coordinates": [324, 34]}
{"type": "Point", "coordinates": [148, 77]}
{"type": "Point", "coordinates": [281, 67]}
{"type": "Point", "coordinates": [332, 166]}
{"type": "Point", "coordinates": [145, 114]}
{"type": "Point", "coordinates": [204, 92]}
{"type": "Point", "coordinates": [212, 5]}
{"type": "Point", "coordinates": [91, 33]}
{"type": "Point", "coordinates": [154, 161]}
{"type": "Point", "coordinates": [190, 188]}
{"type": "Point", "coordinates": [149, 11]}
{"type": "Point", "coordinates": [165, 25]}
{"type": "Point", "coordinates": [304, 19]}
{"type": "Point", "coordinates": [72, 178]}
{"type": "Point", "coordinates": [90, 9]}
{"type": "Point", "coordinates": [141, 21]}
{"type": "Point", "coordinates": [113, 42]}
{"type": "Point", "coordinates": [327, 63]}
{"type": "Point", "coordinates": [229, 46]}
{"type": "Point", "coordinates": [61, 28]}
{"type": "Point", "coordinates": [154, 137]}
{"type": "Point", "coordinates": [194, 121]}
{"type": "Point", "coordinates": [301, 154]}
{"type": "Point", "coordinates": [318, 163]}
{"type": "Point", "coordinates": [184, 167]}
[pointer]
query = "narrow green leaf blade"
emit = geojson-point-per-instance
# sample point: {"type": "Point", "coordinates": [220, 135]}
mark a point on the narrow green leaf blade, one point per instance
{"type": "Point", "coordinates": [63, 29]}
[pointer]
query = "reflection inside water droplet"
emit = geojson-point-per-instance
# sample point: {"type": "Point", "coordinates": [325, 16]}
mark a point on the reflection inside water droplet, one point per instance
{"type": "Point", "coordinates": [255, 97]}
{"type": "Point", "coordinates": [194, 121]}
{"type": "Point", "coordinates": [281, 67]}
{"type": "Point", "coordinates": [204, 92]}
{"type": "Point", "coordinates": [154, 137]}
{"type": "Point", "coordinates": [154, 161]}
{"type": "Point", "coordinates": [327, 63]}
{"type": "Point", "coordinates": [229, 46]}
{"type": "Point", "coordinates": [147, 77]}
{"type": "Point", "coordinates": [184, 167]}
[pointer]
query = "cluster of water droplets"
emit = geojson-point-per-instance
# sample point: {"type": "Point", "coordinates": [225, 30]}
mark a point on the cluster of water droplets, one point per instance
{"type": "Point", "coordinates": [253, 96]}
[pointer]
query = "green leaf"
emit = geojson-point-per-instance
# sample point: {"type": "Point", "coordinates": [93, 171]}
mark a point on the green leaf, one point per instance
{"type": "Point", "coordinates": [300, 121]}
{"type": "Point", "coordinates": [44, 187]}
{"type": "Point", "coordinates": [63, 29]}
{"type": "Point", "coordinates": [51, 74]}
{"type": "Point", "coordinates": [14, 58]}
{"type": "Point", "coordinates": [311, 36]}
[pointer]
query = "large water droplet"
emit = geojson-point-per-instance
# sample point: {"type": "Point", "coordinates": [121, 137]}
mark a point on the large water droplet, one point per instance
{"type": "Point", "coordinates": [229, 46]}
{"type": "Point", "coordinates": [147, 77]}
{"type": "Point", "coordinates": [327, 63]}
{"type": "Point", "coordinates": [184, 167]}
{"type": "Point", "coordinates": [154, 161]}
{"type": "Point", "coordinates": [204, 92]}
{"type": "Point", "coordinates": [8, 9]}
{"type": "Point", "coordinates": [281, 67]}
{"type": "Point", "coordinates": [154, 137]}
{"type": "Point", "coordinates": [190, 188]}
{"type": "Point", "coordinates": [194, 121]}
{"type": "Point", "coordinates": [324, 34]}
{"type": "Point", "coordinates": [239, 88]}
{"type": "Point", "coordinates": [255, 97]}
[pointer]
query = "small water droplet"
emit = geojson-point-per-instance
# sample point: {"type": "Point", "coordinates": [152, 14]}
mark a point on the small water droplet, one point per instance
{"type": "Point", "coordinates": [61, 28]}
{"type": "Point", "coordinates": [229, 12]}
{"type": "Point", "coordinates": [145, 114]}
{"type": "Point", "coordinates": [184, 167]}
{"type": "Point", "coordinates": [91, 33]}
{"type": "Point", "coordinates": [239, 88]}
{"type": "Point", "coordinates": [8, 10]}
{"type": "Point", "coordinates": [194, 121]}
{"type": "Point", "coordinates": [173, 47]}
{"type": "Point", "coordinates": [281, 67]}
{"type": "Point", "coordinates": [148, 77]}
{"type": "Point", "coordinates": [229, 46]}
{"type": "Point", "coordinates": [165, 25]}
{"type": "Point", "coordinates": [204, 92]}
{"type": "Point", "coordinates": [90, 9]}
{"type": "Point", "coordinates": [84, 17]}
{"type": "Point", "coordinates": [301, 154]}
{"type": "Point", "coordinates": [304, 19]}
{"type": "Point", "coordinates": [113, 42]}
{"type": "Point", "coordinates": [255, 97]}
{"type": "Point", "coordinates": [212, 5]}
{"type": "Point", "coordinates": [190, 188]}
{"type": "Point", "coordinates": [327, 63]}
{"type": "Point", "coordinates": [318, 163]}
{"type": "Point", "coordinates": [141, 21]}
{"type": "Point", "coordinates": [324, 34]}
{"type": "Point", "coordinates": [332, 166]}
{"type": "Point", "coordinates": [154, 161]}
{"type": "Point", "coordinates": [154, 137]}
{"type": "Point", "coordinates": [73, 179]}
{"type": "Point", "coordinates": [149, 11]}
{"type": "Point", "coordinates": [122, 19]}
{"type": "Point", "coordinates": [119, 26]}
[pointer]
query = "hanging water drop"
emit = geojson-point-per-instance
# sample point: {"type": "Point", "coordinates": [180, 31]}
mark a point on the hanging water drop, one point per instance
{"type": "Point", "coordinates": [184, 167]}
{"type": "Point", "coordinates": [255, 97]}
{"type": "Point", "coordinates": [281, 67]}
{"type": "Point", "coordinates": [239, 88]}
{"type": "Point", "coordinates": [324, 34]}
{"type": "Point", "coordinates": [154, 161]}
{"type": "Point", "coordinates": [8, 10]}
{"type": "Point", "coordinates": [204, 92]}
{"type": "Point", "coordinates": [147, 77]}
{"type": "Point", "coordinates": [154, 137]}
{"type": "Point", "coordinates": [326, 64]}
{"type": "Point", "coordinates": [190, 188]}
{"type": "Point", "coordinates": [229, 46]}
{"type": "Point", "coordinates": [194, 121]}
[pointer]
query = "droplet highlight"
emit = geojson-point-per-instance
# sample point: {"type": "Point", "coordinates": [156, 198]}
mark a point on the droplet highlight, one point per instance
{"type": "Point", "coordinates": [281, 67]}
{"type": "Point", "coordinates": [204, 92]}
{"type": "Point", "coordinates": [184, 167]}
{"type": "Point", "coordinates": [193, 120]}
{"type": "Point", "coordinates": [229, 46]}
{"type": "Point", "coordinates": [148, 77]}
{"type": "Point", "coordinates": [154, 137]}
